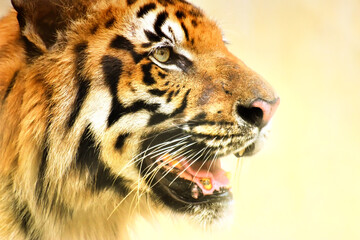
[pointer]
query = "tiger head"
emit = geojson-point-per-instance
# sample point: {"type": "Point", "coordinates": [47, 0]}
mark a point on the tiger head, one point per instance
{"type": "Point", "coordinates": [133, 98]}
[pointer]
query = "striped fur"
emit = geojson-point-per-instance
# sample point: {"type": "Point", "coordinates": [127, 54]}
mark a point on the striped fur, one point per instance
{"type": "Point", "coordinates": [81, 94]}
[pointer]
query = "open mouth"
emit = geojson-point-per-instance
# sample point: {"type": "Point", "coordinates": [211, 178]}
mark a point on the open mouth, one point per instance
{"type": "Point", "coordinates": [183, 172]}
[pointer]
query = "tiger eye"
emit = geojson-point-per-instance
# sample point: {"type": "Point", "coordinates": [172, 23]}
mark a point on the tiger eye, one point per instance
{"type": "Point", "coordinates": [162, 54]}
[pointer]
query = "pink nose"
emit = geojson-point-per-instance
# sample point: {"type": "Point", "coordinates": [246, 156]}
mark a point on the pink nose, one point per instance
{"type": "Point", "coordinates": [259, 112]}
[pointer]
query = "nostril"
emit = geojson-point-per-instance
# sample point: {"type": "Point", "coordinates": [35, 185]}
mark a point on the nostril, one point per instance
{"type": "Point", "coordinates": [259, 112]}
{"type": "Point", "coordinates": [252, 115]}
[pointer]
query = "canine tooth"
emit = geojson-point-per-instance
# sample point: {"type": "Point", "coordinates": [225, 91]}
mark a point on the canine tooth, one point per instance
{"type": "Point", "coordinates": [240, 153]}
{"type": "Point", "coordinates": [206, 182]}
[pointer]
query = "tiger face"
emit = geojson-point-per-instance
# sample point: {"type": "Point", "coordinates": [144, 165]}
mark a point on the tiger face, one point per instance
{"type": "Point", "coordinates": [123, 98]}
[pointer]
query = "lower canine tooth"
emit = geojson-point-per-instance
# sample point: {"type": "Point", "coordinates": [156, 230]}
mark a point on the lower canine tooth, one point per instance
{"type": "Point", "coordinates": [206, 182]}
{"type": "Point", "coordinates": [195, 192]}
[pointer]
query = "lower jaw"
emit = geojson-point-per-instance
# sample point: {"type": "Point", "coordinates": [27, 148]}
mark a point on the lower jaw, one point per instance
{"type": "Point", "coordinates": [178, 196]}
{"type": "Point", "coordinates": [182, 200]}
{"type": "Point", "coordinates": [203, 214]}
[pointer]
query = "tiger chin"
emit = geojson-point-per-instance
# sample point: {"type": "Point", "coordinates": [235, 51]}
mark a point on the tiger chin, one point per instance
{"type": "Point", "coordinates": [114, 108]}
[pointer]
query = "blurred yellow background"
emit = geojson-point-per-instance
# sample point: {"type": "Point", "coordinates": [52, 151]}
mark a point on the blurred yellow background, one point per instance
{"type": "Point", "coordinates": [305, 184]}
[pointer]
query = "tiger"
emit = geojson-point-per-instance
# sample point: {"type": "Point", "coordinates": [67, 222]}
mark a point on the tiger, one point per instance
{"type": "Point", "coordinates": [111, 109]}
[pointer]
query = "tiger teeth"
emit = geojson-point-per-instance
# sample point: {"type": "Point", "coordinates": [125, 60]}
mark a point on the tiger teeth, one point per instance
{"type": "Point", "coordinates": [206, 182]}
{"type": "Point", "coordinates": [240, 153]}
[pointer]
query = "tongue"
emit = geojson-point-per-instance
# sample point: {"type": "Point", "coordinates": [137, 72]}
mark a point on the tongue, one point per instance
{"type": "Point", "coordinates": [209, 176]}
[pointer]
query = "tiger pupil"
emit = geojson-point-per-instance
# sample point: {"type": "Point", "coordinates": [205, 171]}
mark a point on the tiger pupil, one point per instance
{"type": "Point", "coordinates": [162, 54]}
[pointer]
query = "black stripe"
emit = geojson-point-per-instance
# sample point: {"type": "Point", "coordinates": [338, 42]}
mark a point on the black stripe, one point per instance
{"type": "Point", "coordinates": [160, 20]}
{"type": "Point", "coordinates": [122, 43]}
{"type": "Point", "coordinates": [112, 68]}
{"type": "Point", "coordinates": [82, 82]}
{"type": "Point", "coordinates": [83, 90]}
{"type": "Point", "coordinates": [199, 117]}
{"type": "Point", "coordinates": [10, 87]}
{"type": "Point", "coordinates": [94, 29]}
{"type": "Point", "coordinates": [40, 188]}
{"type": "Point", "coordinates": [210, 123]}
{"type": "Point", "coordinates": [120, 141]}
{"type": "Point", "coordinates": [88, 154]}
{"type": "Point", "coordinates": [26, 219]}
{"type": "Point", "coordinates": [180, 15]}
{"type": "Point", "coordinates": [139, 105]}
{"type": "Point", "coordinates": [43, 164]}
{"type": "Point", "coordinates": [21, 18]}
{"type": "Point", "coordinates": [152, 37]}
{"type": "Point", "coordinates": [182, 62]}
{"type": "Point", "coordinates": [169, 98]}
{"type": "Point", "coordinates": [59, 209]}
{"type": "Point", "coordinates": [196, 12]}
{"type": "Point", "coordinates": [27, 223]}
{"type": "Point", "coordinates": [25, 216]}
{"type": "Point", "coordinates": [163, 75]}
{"type": "Point", "coordinates": [157, 92]}
{"type": "Point", "coordinates": [147, 79]}
{"type": "Point", "coordinates": [177, 92]}
{"type": "Point", "coordinates": [104, 180]}
{"type": "Point", "coordinates": [186, 2]}
{"type": "Point", "coordinates": [145, 9]}
{"type": "Point", "coordinates": [185, 31]}
{"type": "Point", "coordinates": [157, 118]}
{"type": "Point", "coordinates": [88, 159]}
{"type": "Point", "coordinates": [31, 50]}
{"type": "Point", "coordinates": [110, 23]}
{"type": "Point", "coordinates": [46, 198]}
{"type": "Point", "coordinates": [194, 23]}
{"type": "Point", "coordinates": [160, 117]}
{"type": "Point", "coordinates": [216, 137]}
{"type": "Point", "coordinates": [166, 2]}
{"type": "Point", "coordinates": [146, 45]}
{"type": "Point", "coordinates": [131, 2]}
{"type": "Point", "coordinates": [80, 57]}
{"type": "Point", "coordinates": [118, 110]}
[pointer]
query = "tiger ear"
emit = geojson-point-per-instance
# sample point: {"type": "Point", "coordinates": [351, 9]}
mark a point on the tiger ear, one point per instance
{"type": "Point", "coordinates": [40, 20]}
